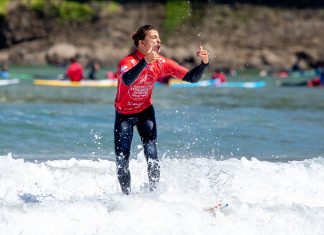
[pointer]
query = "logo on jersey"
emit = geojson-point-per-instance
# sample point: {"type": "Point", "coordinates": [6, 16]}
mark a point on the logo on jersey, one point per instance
{"type": "Point", "coordinates": [123, 68]}
{"type": "Point", "coordinates": [142, 88]}
{"type": "Point", "coordinates": [150, 67]}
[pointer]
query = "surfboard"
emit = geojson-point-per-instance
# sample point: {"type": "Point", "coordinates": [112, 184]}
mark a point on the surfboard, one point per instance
{"type": "Point", "coordinates": [172, 83]}
{"type": "Point", "coordinates": [215, 83]}
{"type": "Point", "coordinates": [85, 83]}
{"type": "Point", "coordinates": [9, 81]}
{"type": "Point", "coordinates": [217, 206]}
{"type": "Point", "coordinates": [34, 198]}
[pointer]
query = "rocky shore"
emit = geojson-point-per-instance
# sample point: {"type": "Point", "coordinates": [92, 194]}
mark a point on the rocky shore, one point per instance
{"type": "Point", "coordinates": [253, 36]}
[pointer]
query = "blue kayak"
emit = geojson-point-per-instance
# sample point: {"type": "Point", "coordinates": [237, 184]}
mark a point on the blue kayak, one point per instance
{"type": "Point", "coordinates": [215, 83]}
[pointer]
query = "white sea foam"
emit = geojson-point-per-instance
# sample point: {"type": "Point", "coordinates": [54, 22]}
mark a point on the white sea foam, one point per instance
{"type": "Point", "coordinates": [83, 197]}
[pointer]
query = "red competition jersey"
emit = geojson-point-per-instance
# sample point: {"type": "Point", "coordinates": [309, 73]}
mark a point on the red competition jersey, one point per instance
{"type": "Point", "coordinates": [220, 76]}
{"type": "Point", "coordinates": [75, 72]}
{"type": "Point", "coordinates": [138, 96]}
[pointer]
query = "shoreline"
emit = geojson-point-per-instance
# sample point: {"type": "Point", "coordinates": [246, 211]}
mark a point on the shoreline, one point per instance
{"type": "Point", "coordinates": [248, 36]}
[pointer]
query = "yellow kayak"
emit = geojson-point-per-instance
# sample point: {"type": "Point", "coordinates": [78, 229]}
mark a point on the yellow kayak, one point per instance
{"type": "Point", "coordinates": [85, 83]}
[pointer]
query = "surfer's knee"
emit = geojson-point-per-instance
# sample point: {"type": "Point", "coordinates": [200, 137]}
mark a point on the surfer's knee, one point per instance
{"type": "Point", "coordinates": [150, 149]}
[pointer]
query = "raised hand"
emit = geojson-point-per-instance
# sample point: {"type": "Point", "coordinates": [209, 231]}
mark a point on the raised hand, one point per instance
{"type": "Point", "coordinates": [151, 55]}
{"type": "Point", "coordinates": [203, 55]}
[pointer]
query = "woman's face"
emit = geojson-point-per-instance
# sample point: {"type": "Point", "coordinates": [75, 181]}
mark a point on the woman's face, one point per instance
{"type": "Point", "coordinates": [151, 40]}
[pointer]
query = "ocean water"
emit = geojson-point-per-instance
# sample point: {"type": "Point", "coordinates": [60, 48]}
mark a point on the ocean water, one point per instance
{"type": "Point", "coordinates": [259, 150]}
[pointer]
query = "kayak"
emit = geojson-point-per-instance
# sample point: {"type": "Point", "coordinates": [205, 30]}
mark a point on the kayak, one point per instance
{"type": "Point", "coordinates": [9, 81]}
{"type": "Point", "coordinates": [215, 83]}
{"type": "Point", "coordinates": [172, 83]}
{"type": "Point", "coordinates": [85, 83]}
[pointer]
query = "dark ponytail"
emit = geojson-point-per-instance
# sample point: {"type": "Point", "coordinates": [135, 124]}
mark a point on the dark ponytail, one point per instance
{"type": "Point", "coordinates": [141, 33]}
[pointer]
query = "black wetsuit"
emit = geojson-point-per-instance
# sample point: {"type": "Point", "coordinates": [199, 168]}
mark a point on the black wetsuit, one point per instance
{"type": "Point", "coordinates": [146, 126]}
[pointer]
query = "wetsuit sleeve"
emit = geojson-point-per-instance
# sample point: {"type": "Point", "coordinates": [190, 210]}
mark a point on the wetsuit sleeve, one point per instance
{"type": "Point", "coordinates": [130, 76]}
{"type": "Point", "coordinates": [195, 74]}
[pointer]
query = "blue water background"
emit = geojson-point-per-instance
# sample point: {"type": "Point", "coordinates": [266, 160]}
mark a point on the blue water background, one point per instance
{"type": "Point", "coordinates": [272, 123]}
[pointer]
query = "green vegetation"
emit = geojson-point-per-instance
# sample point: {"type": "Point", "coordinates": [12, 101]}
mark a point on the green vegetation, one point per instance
{"type": "Point", "coordinates": [67, 11]}
{"type": "Point", "coordinates": [37, 5]}
{"type": "Point", "coordinates": [3, 7]}
{"type": "Point", "coordinates": [177, 12]}
{"type": "Point", "coordinates": [73, 11]}
{"type": "Point", "coordinates": [110, 7]}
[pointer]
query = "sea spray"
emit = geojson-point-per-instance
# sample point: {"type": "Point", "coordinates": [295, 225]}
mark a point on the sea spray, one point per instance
{"type": "Point", "coordinates": [263, 197]}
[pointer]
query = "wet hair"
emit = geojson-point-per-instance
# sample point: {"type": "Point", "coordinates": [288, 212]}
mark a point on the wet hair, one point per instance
{"type": "Point", "coordinates": [141, 33]}
{"type": "Point", "coordinates": [74, 58]}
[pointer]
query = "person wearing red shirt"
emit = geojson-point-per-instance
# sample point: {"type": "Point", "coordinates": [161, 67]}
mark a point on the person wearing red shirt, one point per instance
{"type": "Point", "coordinates": [74, 71]}
{"type": "Point", "coordinates": [219, 76]}
{"type": "Point", "coordinates": [137, 74]}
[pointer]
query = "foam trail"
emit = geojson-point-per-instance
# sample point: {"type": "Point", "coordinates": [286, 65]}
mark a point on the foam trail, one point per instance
{"type": "Point", "coordinates": [83, 197]}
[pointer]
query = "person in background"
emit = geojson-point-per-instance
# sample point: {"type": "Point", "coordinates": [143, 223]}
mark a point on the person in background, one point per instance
{"type": "Point", "coordinates": [111, 75]}
{"type": "Point", "coordinates": [263, 73]}
{"type": "Point", "coordinates": [74, 71]}
{"type": "Point", "coordinates": [219, 76]}
{"type": "Point", "coordinates": [93, 69]}
{"type": "Point", "coordinates": [4, 73]}
{"type": "Point", "coordinates": [319, 79]}
{"type": "Point", "coordinates": [322, 74]}
{"type": "Point", "coordinates": [137, 74]}
{"type": "Point", "coordinates": [295, 67]}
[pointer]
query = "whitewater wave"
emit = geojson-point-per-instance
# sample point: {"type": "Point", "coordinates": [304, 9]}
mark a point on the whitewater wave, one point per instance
{"type": "Point", "coordinates": [83, 197]}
